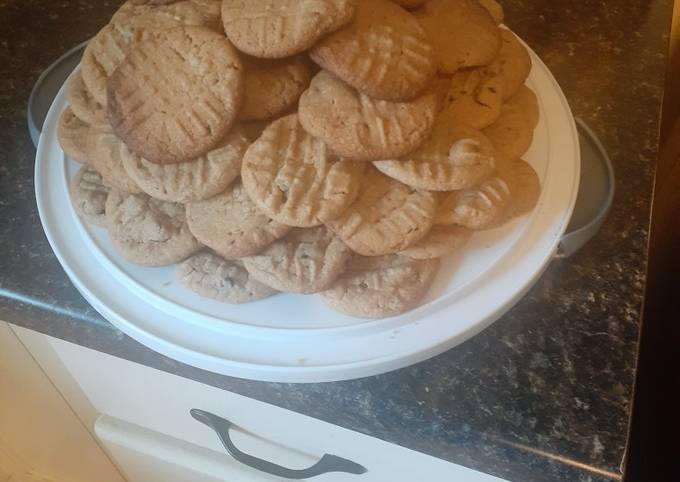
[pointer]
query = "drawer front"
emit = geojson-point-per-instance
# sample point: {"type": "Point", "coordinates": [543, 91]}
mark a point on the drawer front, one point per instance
{"type": "Point", "coordinates": [147, 456]}
{"type": "Point", "coordinates": [160, 403]}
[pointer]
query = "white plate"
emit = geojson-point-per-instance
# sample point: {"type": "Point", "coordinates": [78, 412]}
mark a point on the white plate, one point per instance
{"type": "Point", "coordinates": [293, 338]}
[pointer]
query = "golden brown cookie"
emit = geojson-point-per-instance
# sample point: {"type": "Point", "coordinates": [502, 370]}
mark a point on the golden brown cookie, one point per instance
{"type": "Point", "coordinates": [451, 158]}
{"type": "Point", "coordinates": [480, 207]}
{"type": "Point", "coordinates": [384, 52]}
{"type": "Point", "coordinates": [159, 15]}
{"type": "Point", "coordinates": [357, 127]}
{"type": "Point", "coordinates": [304, 261]}
{"type": "Point", "coordinates": [513, 132]}
{"type": "Point", "coordinates": [295, 179]}
{"type": "Point", "coordinates": [131, 22]}
{"type": "Point", "coordinates": [386, 218]}
{"type": "Point", "coordinates": [232, 225]}
{"type": "Point", "coordinates": [462, 32]}
{"type": "Point", "coordinates": [281, 28]}
{"type": "Point", "coordinates": [88, 195]}
{"type": "Point", "coordinates": [195, 180]}
{"type": "Point", "coordinates": [80, 100]}
{"type": "Point", "coordinates": [147, 231]}
{"type": "Point", "coordinates": [440, 241]}
{"type": "Point", "coordinates": [495, 9]}
{"type": "Point", "coordinates": [176, 94]}
{"type": "Point", "coordinates": [526, 188]}
{"type": "Point", "coordinates": [221, 279]}
{"type": "Point", "coordinates": [72, 135]}
{"type": "Point", "coordinates": [472, 99]}
{"type": "Point", "coordinates": [512, 64]}
{"type": "Point", "coordinates": [512, 192]}
{"type": "Point", "coordinates": [104, 154]}
{"type": "Point", "coordinates": [382, 286]}
{"type": "Point", "coordinates": [102, 55]}
{"type": "Point", "coordinates": [272, 86]}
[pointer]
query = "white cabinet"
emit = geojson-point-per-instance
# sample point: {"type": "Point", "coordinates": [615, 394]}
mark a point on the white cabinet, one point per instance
{"type": "Point", "coordinates": [141, 416]}
{"type": "Point", "coordinates": [41, 439]}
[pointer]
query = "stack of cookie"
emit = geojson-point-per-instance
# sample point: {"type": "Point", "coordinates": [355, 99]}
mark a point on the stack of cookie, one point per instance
{"type": "Point", "coordinates": [338, 147]}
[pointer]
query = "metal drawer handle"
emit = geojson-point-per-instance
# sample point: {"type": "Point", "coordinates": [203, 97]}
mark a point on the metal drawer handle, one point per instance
{"type": "Point", "coordinates": [328, 463]}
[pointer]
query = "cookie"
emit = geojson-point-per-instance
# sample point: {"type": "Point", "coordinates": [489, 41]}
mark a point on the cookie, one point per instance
{"type": "Point", "coordinates": [440, 241]}
{"type": "Point", "coordinates": [480, 207]}
{"type": "Point", "coordinates": [409, 3]}
{"type": "Point", "coordinates": [147, 231]}
{"type": "Point", "coordinates": [453, 157]}
{"type": "Point", "coordinates": [526, 188]}
{"type": "Point", "coordinates": [359, 128]}
{"type": "Point", "coordinates": [88, 195]}
{"type": "Point", "coordinates": [295, 179]}
{"type": "Point", "coordinates": [72, 135]}
{"type": "Point", "coordinates": [384, 52]}
{"type": "Point", "coordinates": [512, 192]}
{"type": "Point", "coordinates": [513, 132]}
{"type": "Point", "coordinates": [495, 9]}
{"type": "Point", "coordinates": [232, 225]}
{"type": "Point", "coordinates": [473, 99]}
{"type": "Point", "coordinates": [142, 17]}
{"type": "Point", "coordinates": [304, 261]}
{"type": "Point", "coordinates": [221, 279]}
{"type": "Point", "coordinates": [272, 87]}
{"type": "Point", "coordinates": [104, 154]}
{"type": "Point", "coordinates": [102, 55]}
{"type": "Point", "coordinates": [512, 64]}
{"type": "Point", "coordinates": [281, 28]}
{"type": "Point", "coordinates": [176, 94]}
{"type": "Point", "coordinates": [80, 100]}
{"type": "Point", "coordinates": [462, 32]}
{"type": "Point", "coordinates": [386, 218]}
{"type": "Point", "coordinates": [194, 180]}
{"type": "Point", "coordinates": [381, 287]}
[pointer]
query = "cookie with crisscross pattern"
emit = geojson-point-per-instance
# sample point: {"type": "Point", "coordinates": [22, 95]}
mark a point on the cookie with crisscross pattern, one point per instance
{"type": "Point", "coordinates": [384, 52]}
{"type": "Point", "coordinates": [280, 28]}
{"type": "Point", "coordinates": [381, 286]}
{"type": "Point", "coordinates": [295, 178]}
{"type": "Point", "coordinates": [176, 94]}
{"type": "Point", "coordinates": [360, 128]}
{"type": "Point", "coordinates": [387, 216]}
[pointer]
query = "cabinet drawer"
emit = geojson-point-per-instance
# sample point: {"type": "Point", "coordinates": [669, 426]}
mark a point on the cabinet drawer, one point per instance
{"type": "Point", "coordinates": [158, 404]}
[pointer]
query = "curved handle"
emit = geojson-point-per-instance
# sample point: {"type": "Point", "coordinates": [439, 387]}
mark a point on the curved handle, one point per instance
{"type": "Point", "coordinates": [328, 463]}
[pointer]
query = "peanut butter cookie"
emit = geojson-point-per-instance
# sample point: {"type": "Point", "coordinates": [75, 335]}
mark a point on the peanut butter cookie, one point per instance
{"type": "Point", "coordinates": [147, 231]}
{"type": "Point", "coordinates": [384, 52]}
{"type": "Point", "coordinates": [451, 158]}
{"type": "Point", "coordinates": [386, 218]}
{"type": "Point", "coordinates": [281, 28]}
{"type": "Point", "coordinates": [195, 180]}
{"type": "Point", "coordinates": [359, 128]}
{"type": "Point", "coordinates": [232, 225]}
{"type": "Point", "coordinates": [176, 94]}
{"type": "Point", "coordinates": [304, 261]}
{"type": "Point", "coordinates": [382, 286]}
{"type": "Point", "coordinates": [221, 279]}
{"type": "Point", "coordinates": [295, 179]}
{"type": "Point", "coordinates": [462, 32]}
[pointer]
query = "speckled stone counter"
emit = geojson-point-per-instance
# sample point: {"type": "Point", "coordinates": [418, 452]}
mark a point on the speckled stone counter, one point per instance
{"type": "Point", "coordinates": [542, 395]}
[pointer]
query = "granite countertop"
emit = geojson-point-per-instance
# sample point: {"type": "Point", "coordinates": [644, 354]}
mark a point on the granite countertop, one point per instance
{"type": "Point", "coordinates": [543, 394]}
